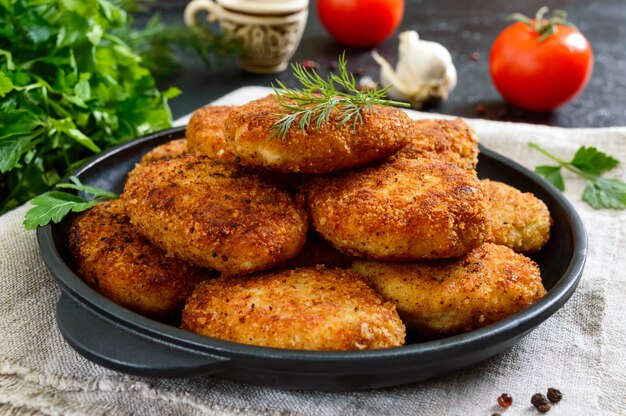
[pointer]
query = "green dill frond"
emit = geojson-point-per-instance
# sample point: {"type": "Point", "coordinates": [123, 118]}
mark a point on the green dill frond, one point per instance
{"type": "Point", "coordinates": [312, 104]}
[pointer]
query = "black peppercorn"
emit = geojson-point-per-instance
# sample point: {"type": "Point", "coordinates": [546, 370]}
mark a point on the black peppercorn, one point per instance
{"type": "Point", "coordinates": [538, 399]}
{"type": "Point", "coordinates": [540, 402]}
{"type": "Point", "coordinates": [554, 395]}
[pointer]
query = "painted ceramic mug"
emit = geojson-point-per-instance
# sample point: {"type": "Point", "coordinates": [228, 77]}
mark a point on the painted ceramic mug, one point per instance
{"type": "Point", "coordinates": [270, 30]}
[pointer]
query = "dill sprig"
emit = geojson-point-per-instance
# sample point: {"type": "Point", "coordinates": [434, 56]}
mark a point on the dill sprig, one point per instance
{"type": "Point", "coordinates": [312, 104]}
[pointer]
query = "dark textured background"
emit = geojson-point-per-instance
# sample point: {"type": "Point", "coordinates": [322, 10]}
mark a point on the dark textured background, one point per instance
{"type": "Point", "coordinates": [464, 27]}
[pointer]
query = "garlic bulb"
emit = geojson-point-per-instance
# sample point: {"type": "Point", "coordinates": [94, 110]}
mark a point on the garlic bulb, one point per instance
{"type": "Point", "coordinates": [424, 72]}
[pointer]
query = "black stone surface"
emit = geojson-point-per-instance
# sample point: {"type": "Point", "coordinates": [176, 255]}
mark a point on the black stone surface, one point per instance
{"type": "Point", "coordinates": [464, 27]}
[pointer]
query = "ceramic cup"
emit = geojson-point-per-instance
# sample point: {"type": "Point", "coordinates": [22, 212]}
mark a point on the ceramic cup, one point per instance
{"type": "Point", "coordinates": [270, 30]}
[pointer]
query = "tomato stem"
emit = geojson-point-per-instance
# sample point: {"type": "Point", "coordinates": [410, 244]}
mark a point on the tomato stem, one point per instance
{"type": "Point", "coordinates": [545, 27]}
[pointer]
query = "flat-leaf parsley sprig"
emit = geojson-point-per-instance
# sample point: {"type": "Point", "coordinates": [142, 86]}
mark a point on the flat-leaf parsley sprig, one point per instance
{"type": "Point", "coordinates": [55, 205]}
{"type": "Point", "coordinates": [312, 104]}
{"type": "Point", "coordinates": [589, 163]}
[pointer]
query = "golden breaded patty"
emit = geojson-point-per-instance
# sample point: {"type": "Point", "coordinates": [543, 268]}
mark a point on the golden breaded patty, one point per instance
{"type": "Point", "coordinates": [384, 131]}
{"type": "Point", "coordinates": [401, 210]}
{"type": "Point", "coordinates": [317, 251]}
{"type": "Point", "coordinates": [517, 220]}
{"type": "Point", "coordinates": [447, 297]}
{"type": "Point", "coordinates": [302, 309]}
{"type": "Point", "coordinates": [168, 150]}
{"type": "Point", "coordinates": [115, 260]}
{"type": "Point", "coordinates": [205, 132]}
{"type": "Point", "coordinates": [451, 141]}
{"type": "Point", "coordinates": [214, 215]}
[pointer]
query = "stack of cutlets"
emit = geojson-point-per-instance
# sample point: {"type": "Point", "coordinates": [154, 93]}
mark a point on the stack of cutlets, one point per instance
{"type": "Point", "coordinates": [333, 237]}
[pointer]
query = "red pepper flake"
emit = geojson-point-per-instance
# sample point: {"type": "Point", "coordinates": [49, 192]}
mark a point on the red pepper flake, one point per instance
{"type": "Point", "coordinates": [505, 401]}
{"type": "Point", "coordinates": [309, 64]}
{"type": "Point", "coordinates": [480, 109]}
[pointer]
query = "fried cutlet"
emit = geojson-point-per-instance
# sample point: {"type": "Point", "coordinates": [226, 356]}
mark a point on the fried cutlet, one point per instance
{"type": "Point", "coordinates": [317, 251]}
{"type": "Point", "coordinates": [215, 215]}
{"type": "Point", "coordinates": [329, 148]}
{"type": "Point", "coordinates": [450, 141]}
{"type": "Point", "coordinates": [517, 220]}
{"type": "Point", "coordinates": [205, 132]}
{"type": "Point", "coordinates": [401, 210]}
{"type": "Point", "coordinates": [168, 150]}
{"type": "Point", "coordinates": [115, 260]}
{"type": "Point", "coordinates": [303, 309]}
{"type": "Point", "coordinates": [448, 297]}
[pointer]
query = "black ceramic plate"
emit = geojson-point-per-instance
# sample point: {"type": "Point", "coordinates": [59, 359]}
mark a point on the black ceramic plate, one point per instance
{"type": "Point", "coordinates": [125, 341]}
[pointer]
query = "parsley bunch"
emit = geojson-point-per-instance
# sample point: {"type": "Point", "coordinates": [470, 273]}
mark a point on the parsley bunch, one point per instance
{"type": "Point", "coordinates": [72, 84]}
{"type": "Point", "coordinates": [589, 163]}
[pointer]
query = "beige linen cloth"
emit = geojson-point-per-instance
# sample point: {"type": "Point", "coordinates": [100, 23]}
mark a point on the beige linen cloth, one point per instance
{"type": "Point", "coordinates": [580, 350]}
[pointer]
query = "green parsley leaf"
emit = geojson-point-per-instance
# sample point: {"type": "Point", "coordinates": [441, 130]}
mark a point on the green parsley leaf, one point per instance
{"type": "Point", "coordinates": [588, 163]}
{"type": "Point", "coordinates": [6, 85]}
{"type": "Point", "coordinates": [553, 175]}
{"type": "Point", "coordinates": [92, 190]}
{"type": "Point", "coordinates": [12, 148]}
{"type": "Point", "coordinates": [53, 206]}
{"type": "Point", "coordinates": [605, 193]}
{"type": "Point", "coordinates": [172, 92]}
{"type": "Point", "coordinates": [593, 161]}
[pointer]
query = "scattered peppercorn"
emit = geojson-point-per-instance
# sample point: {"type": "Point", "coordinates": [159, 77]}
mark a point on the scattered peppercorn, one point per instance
{"type": "Point", "coordinates": [474, 56]}
{"type": "Point", "coordinates": [540, 402]}
{"type": "Point", "coordinates": [554, 395]}
{"type": "Point", "coordinates": [505, 401]}
{"type": "Point", "coordinates": [538, 399]}
{"type": "Point", "coordinates": [359, 71]}
{"type": "Point", "coordinates": [333, 65]}
{"type": "Point", "coordinates": [497, 414]}
{"type": "Point", "coordinates": [480, 109]}
{"type": "Point", "coordinates": [309, 64]}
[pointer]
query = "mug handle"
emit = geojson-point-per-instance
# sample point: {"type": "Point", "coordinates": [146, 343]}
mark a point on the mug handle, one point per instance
{"type": "Point", "coordinates": [196, 6]}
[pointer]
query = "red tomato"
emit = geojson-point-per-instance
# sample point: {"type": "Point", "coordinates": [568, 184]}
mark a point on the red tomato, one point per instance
{"type": "Point", "coordinates": [360, 22]}
{"type": "Point", "coordinates": [540, 75]}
